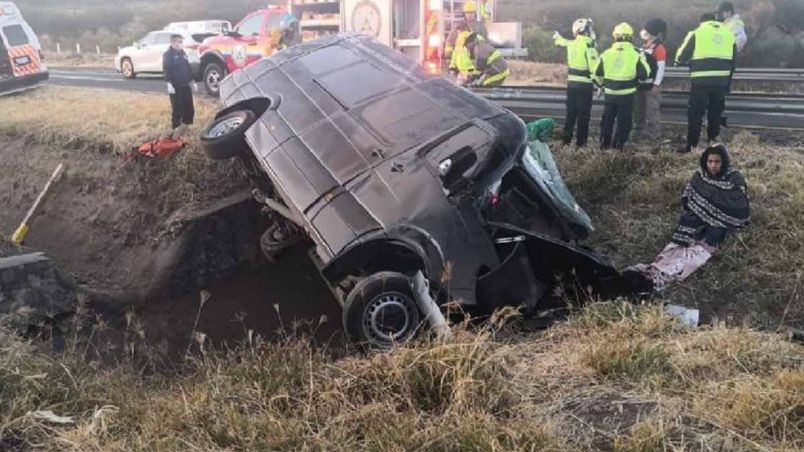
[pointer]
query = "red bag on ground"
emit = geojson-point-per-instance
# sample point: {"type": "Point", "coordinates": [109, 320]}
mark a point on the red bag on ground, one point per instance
{"type": "Point", "coordinates": [163, 147]}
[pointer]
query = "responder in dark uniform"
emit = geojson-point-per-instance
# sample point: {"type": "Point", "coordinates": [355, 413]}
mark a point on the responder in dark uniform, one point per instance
{"type": "Point", "coordinates": [621, 68]}
{"type": "Point", "coordinates": [709, 50]}
{"type": "Point", "coordinates": [486, 66]}
{"type": "Point", "coordinates": [582, 58]}
{"type": "Point", "coordinates": [179, 76]}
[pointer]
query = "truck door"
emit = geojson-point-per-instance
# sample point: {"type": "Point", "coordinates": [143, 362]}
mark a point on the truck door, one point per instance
{"type": "Point", "coordinates": [407, 28]}
{"type": "Point", "coordinates": [5, 62]}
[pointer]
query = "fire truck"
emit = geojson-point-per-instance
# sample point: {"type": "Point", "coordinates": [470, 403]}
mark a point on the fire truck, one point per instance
{"type": "Point", "coordinates": [21, 59]}
{"type": "Point", "coordinates": [417, 28]}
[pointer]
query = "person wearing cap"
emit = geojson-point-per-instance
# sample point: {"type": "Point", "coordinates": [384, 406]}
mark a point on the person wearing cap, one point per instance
{"type": "Point", "coordinates": [709, 50]}
{"type": "Point", "coordinates": [472, 22]}
{"type": "Point", "coordinates": [291, 34]}
{"type": "Point", "coordinates": [482, 65]}
{"type": "Point", "coordinates": [647, 108]}
{"type": "Point", "coordinates": [725, 14]}
{"type": "Point", "coordinates": [620, 68]}
{"type": "Point", "coordinates": [582, 57]}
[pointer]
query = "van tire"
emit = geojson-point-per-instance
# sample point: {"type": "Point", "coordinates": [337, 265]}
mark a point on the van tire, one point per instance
{"type": "Point", "coordinates": [382, 293]}
{"type": "Point", "coordinates": [225, 137]}
{"type": "Point", "coordinates": [127, 68]}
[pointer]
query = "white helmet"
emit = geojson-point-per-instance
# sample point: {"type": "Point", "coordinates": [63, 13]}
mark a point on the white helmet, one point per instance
{"type": "Point", "coordinates": [582, 26]}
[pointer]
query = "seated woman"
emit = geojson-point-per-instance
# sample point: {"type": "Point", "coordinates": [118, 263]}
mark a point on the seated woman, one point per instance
{"type": "Point", "coordinates": [715, 203]}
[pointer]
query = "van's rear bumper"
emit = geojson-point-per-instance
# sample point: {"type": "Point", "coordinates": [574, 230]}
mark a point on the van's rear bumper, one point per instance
{"type": "Point", "coordinates": [15, 84]}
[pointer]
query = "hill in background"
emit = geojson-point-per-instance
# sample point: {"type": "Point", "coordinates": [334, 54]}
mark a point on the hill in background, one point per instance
{"type": "Point", "coordinates": [775, 27]}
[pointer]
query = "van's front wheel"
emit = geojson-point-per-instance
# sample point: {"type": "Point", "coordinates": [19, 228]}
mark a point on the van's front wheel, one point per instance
{"type": "Point", "coordinates": [381, 311]}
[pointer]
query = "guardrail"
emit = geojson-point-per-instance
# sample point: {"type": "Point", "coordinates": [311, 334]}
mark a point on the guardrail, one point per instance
{"type": "Point", "coordinates": [743, 110]}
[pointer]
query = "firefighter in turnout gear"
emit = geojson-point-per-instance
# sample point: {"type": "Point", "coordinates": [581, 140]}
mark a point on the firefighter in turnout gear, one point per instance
{"type": "Point", "coordinates": [471, 23]}
{"type": "Point", "coordinates": [621, 68]}
{"type": "Point", "coordinates": [709, 50]}
{"type": "Point", "coordinates": [480, 64]}
{"type": "Point", "coordinates": [582, 58]}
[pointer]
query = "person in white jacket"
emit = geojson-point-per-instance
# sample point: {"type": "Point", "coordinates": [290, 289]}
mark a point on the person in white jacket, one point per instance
{"type": "Point", "coordinates": [725, 13]}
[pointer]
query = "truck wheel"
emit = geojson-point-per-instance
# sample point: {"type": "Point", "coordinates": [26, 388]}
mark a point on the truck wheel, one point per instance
{"type": "Point", "coordinates": [225, 137]}
{"type": "Point", "coordinates": [381, 312]}
{"type": "Point", "coordinates": [127, 68]}
{"type": "Point", "coordinates": [213, 74]}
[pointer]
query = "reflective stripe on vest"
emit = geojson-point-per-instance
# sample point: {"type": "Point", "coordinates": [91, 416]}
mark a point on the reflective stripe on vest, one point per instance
{"type": "Point", "coordinates": [714, 51]}
{"type": "Point", "coordinates": [620, 69]}
{"type": "Point", "coordinates": [579, 70]}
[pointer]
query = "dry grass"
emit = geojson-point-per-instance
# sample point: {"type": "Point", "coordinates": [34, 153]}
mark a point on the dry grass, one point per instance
{"type": "Point", "coordinates": [84, 60]}
{"type": "Point", "coordinates": [528, 73]}
{"type": "Point", "coordinates": [108, 120]}
{"type": "Point", "coordinates": [756, 277]}
{"type": "Point", "coordinates": [555, 391]}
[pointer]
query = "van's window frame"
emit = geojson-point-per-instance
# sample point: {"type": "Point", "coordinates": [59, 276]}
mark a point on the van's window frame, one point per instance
{"type": "Point", "coordinates": [13, 38]}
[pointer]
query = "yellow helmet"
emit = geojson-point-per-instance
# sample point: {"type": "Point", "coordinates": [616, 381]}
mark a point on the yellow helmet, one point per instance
{"type": "Point", "coordinates": [470, 6]}
{"type": "Point", "coordinates": [623, 31]}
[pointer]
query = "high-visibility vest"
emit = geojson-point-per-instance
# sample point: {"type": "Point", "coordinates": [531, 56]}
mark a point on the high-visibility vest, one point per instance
{"type": "Point", "coordinates": [620, 69]}
{"type": "Point", "coordinates": [462, 60]}
{"type": "Point", "coordinates": [491, 64]}
{"type": "Point", "coordinates": [713, 57]}
{"type": "Point", "coordinates": [582, 58]}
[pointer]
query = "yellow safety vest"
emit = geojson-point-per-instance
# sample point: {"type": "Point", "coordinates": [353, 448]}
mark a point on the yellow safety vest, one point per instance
{"type": "Point", "coordinates": [620, 69]}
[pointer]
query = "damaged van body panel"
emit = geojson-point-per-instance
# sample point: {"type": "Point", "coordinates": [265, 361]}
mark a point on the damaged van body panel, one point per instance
{"type": "Point", "coordinates": [388, 168]}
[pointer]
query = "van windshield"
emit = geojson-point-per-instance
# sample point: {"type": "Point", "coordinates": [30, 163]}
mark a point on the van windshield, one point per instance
{"type": "Point", "coordinates": [15, 35]}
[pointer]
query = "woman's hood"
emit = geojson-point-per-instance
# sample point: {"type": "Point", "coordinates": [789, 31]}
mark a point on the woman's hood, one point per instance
{"type": "Point", "coordinates": [724, 155]}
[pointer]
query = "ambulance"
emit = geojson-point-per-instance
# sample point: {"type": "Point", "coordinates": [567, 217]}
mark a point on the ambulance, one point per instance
{"type": "Point", "coordinates": [22, 64]}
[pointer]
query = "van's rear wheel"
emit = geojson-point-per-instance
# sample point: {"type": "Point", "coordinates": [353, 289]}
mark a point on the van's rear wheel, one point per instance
{"type": "Point", "coordinates": [381, 312]}
{"type": "Point", "coordinates": [127, 68]}
{"type": "Point", "coordinates": [225, 137]}
{"type": "Point", "coordinates": [213, 74]}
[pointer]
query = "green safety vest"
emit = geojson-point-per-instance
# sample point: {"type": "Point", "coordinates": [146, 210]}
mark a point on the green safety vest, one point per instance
{"type": "Point", "coordinates": [620, 69]}
{"type": "Point", "coordinates": [714, 51]}
{"type": "Point", "coordinates": [582, 58]}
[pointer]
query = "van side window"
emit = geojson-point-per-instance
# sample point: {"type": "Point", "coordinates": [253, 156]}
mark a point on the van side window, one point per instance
{"type": "Point", "coordinates": [459, 158]}
{"type": "Point", "coordinates": [15, 35]}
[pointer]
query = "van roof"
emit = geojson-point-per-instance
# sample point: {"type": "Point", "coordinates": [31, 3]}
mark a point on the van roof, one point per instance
{"type": "Point", "coordinates": [341, 106]}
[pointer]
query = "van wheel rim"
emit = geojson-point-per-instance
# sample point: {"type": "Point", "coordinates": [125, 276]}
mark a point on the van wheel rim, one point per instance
{"type": "Point", "coordinates": [390, 319]}
{"type": "Point", "coordinates": [225, 127]}
{"type": "Point", "coordinates": [127, 68]}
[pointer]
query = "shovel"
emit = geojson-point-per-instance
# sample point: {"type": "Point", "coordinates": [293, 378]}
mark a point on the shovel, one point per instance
{"type": "Point", "coordinates": [22, 231]}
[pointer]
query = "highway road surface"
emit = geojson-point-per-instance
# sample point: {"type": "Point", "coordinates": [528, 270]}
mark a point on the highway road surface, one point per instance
{"type": "Point", "coordinates": [744, 110]}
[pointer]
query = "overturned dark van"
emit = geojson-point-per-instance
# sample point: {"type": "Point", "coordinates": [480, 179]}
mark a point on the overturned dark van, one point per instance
{"type": "Point", "coordinates": [390, 172]}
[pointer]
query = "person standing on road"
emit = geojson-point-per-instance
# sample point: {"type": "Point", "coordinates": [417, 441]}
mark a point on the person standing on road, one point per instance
{"type": "Point", "coordinates": [709, 50]}
{"type": "Point", "coordinates": [621, 68]}
{"type": "Point", "coordinates": [179, 77]}
{"type": "Point", "coordinates": [647, 109]}
{"type": "Point", "coordinates": [582, 58]}
{"type": "Point", "coordinates": [725, 14]}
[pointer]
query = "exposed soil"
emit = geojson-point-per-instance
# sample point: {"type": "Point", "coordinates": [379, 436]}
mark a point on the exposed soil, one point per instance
{"type": "Point", "coordinates": [144, 236]}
